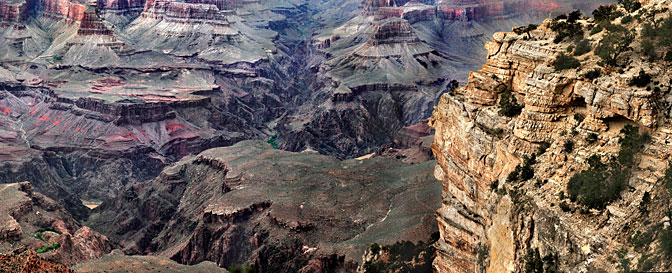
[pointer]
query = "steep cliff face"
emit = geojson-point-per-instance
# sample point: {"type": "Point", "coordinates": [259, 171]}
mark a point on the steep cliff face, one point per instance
{"type": "Point", "coordinates": [491, 221]}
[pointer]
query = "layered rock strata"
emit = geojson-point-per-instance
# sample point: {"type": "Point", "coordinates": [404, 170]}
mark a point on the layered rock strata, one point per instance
{"type": "Point", "coordinates": [489, 223]}
{"type": "Point", "coordinates": [277, 210]}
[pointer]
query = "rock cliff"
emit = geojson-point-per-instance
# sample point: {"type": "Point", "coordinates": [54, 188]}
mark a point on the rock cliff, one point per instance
{"type": "Point", "coordinates": [491, 219]}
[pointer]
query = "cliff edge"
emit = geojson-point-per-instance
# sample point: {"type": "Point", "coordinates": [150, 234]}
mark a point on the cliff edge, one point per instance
{"type": "Point", "coordinates": [553, 157]}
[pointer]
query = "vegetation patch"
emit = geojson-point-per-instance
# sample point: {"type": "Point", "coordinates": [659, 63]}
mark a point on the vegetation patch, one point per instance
{"type": "Point", "coordinates": [525, 30]}
{"type": "Point", "coordinates": [534, 263]}
{"type": "Point", "coordinates": [508, 105]}
{"type": "Point", "coordinates": [241, 268]}
{"type": "Point", "coordinates": [602, 183]}
{"type": "Point", "coordinates": [582, 47]}
{"type": "Point", "coordinates": [48, 248]}
{"type": "Point", "coordinates": [606, 13]}
{"type": "Point", "coordinates": [563, 62]}
{"type": "Point", "coordinates": [566, 28]}
{"type": "Point", "coordinates": [273, 142]}
{"type": "Point", "coordinates": [641, 80]}
{"type": "Point", "coordinates": [614, 44]}
{"type": "Point", "coordinates": [592, 74]}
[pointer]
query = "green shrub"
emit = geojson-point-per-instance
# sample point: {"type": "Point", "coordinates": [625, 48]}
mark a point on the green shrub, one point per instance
{"type": "Point", "coordinates": [597, 29]}
{"type": "Point", "coordinates": [591, 138]}
{"type": "Point", "coordinates": [526, 172]}
{"type": "Point", "coordinates": [563, 62]}
{"type": "Point", "coordinates": [574, 16]}
{"type": "Point", "coordinates": [582, 47]}
{"type": "Point", "coordinates": [642, 240]}
{"type": "Point", "coordinates": [613, 45]}
{"type": "Point", "coordinates": [513, 175]}
{"type": "Point", "coordinates": [508, 105]}
{"type": "Point", "coordinates": [541, 149]}
{"type": "Point", "coordinates": [668, 56]}
{"type": "Point", "coordinates": [630, 5]}
{"type": "Point", "coordinates": [665, 238]}
{"type": "Point", "coordinates": [579, 117]}
{"type": "Point", "coordinates": [602, 183]}
{"type": "Point", "coordinates": [240, 268]}
{"type": "Point", "coordinates": [565, 207]}
{"type": "Point", "coordinates": [453, 85]}
{"type": "Point", "coordinates": [568, 146]}
{"type": "Point", "coordinates": [494, 185]}
{"type": "Point", "coordinates": [664, 32]}
{"type": "Point", "coordinates": [645, 264]}
{"type": "Point", "coordinates": [648, 31]}
{"type": "Point", "coordinates": [592, 74]}
{"type": "Point", "coordinates": [624, 262]}
{"type": "Point", "coordinates": [48, 248]}
{"type": "Point", "coordinates": [606, 13]}
{"type": "Point", "coordinates": [375, 248]}
{"type": "Point", "coordinates": [649, 50]}
{"type": "Point", "coordinates": [525, 30]}
{"type": "Point", "coordinates": [565, 29]}
{"type": "Point", "coordinates": [641, 80]}
{"type": "Point", "coordinates": [273, 141]}
{"type": "Point", "coordinates": [626, 19]}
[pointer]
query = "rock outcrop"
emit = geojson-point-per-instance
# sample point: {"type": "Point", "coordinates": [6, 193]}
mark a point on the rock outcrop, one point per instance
{"type": "Point", "coordinates": [488, 221]}
{"type": "Point", "coordinates": [30, 219]}
{"type": "Point", "coordinates": [277, 210]}
{"type": "Point", "coordinates": [27, 261]}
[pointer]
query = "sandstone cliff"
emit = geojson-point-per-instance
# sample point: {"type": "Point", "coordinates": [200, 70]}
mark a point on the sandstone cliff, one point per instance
{"type": "Point", "coordinates": [491, 221]}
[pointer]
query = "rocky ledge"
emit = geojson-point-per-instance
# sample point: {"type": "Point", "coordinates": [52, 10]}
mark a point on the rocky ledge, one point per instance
{"type": "Point", "coordinates": [277, 210]}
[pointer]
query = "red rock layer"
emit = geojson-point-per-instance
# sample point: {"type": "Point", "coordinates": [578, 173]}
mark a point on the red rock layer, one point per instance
{"type": "Point", "coordinates": [398, 31]}
{"type": "Point", "coordinates": [70, 11]}
{"type": "Point", "coordinates": [124, 7]}
{"type": "Point", "coordinates": [473, 10]}
{"type": "Point", "coordinates": [371, 6]}
{"type": "Point", "coordinates": [12, 13]}
{"type": "Point", "coordinates": [224, 4]}
{"type": "Point", "coordinates": [91, 24]}
{"type": "Point", "coordinates": [179, 12]}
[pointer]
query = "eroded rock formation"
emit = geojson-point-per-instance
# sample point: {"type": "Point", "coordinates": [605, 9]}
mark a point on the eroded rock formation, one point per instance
{"type": "Point", "coordinates": [33, 220]}
{"type": "Point", "coordinates": [280, 211]}
{"type": "Point", "coordinates": [489, 222]}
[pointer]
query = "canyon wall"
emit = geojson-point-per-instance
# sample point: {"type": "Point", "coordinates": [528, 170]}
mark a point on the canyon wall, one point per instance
{"type": "Point", "coordinates": [490, 222]}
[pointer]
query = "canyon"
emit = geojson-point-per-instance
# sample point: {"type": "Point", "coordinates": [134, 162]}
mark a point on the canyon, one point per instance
{"type": "Point", "coordinates": [292, 135]}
